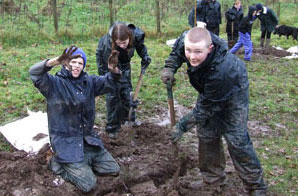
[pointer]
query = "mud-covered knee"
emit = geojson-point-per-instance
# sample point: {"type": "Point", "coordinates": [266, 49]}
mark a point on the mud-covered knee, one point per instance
{"type": "Point", "coordinates": [238, 140]}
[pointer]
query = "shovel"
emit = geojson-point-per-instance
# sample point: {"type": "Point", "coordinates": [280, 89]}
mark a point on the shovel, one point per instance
{"type": "Point", "coordinates": [173, 122]}
{"type": "Point", "coordinates": [135, 95]}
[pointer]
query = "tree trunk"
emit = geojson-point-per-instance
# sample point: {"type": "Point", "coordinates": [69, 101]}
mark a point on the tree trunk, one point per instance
{"type": "Point", "coordinates": [278, 9]}
{"type": "Point", "coordinates": [111, 12]}
{"type": "Point", "coordinates": [157, 13]}
{"type": "Point", "coordinates": [55, 14]}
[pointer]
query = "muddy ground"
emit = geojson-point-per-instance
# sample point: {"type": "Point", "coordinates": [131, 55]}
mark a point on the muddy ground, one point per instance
{"type": "Point", "coordinates": [270, 53]}
{"type": "Point", "coordinates": [147, 161]}
{"type": "Point", "coordinates": [145, 155]}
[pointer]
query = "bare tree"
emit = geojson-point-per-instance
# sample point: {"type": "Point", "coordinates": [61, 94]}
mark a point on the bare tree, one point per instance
{"type": "Point", "coordinates": [55, 14]}
{"type": "Point", "coordinates": [111, 12]}
{"type": "Point", "coordinates": [157, 13]}
{"type": "Point", "coordinates": [278, 8]}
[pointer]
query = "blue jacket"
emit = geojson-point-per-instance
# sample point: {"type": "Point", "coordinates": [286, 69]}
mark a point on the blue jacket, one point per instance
{"type": "Point", "coordinates": [70, 108]}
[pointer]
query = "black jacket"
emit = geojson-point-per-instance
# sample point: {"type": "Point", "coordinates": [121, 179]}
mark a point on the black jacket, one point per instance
{"type": "Point", "coordinates": [70, 108]}
{"type": "Point", "coordinates": [104, 50]}
{"type": "Point", "coordinates": [221, 76]}
{"type": "Point", "coordinates": [233, 16]}
{"type": "Point", "coordinates": [208, 11]}
{"type": "Point", "coordinates": [246, 23]}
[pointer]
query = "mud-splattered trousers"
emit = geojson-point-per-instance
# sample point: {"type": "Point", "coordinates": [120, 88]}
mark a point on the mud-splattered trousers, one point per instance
{"type": "Point", "coordinates": [118, 103]}
{"type": "Point", "coordinates": [82, 174]}
{"type": "Point", "coordinates": [229, 120]}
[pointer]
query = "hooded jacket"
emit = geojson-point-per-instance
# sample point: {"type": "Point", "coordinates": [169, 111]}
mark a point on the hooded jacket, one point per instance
{"type": "Point", "coordinates": [70, 108]}
{"type": "Point", "coordinates": [246, 23]}
{"type": "Point", "coordinates": [221, 76]}
{"type": "Point", "coordinates": [104, 50]}
{"type": "Point", "coordinates": [268, 19]}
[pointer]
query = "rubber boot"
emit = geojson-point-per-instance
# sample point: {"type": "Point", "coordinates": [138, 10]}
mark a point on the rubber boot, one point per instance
{"type": "Point", "coordinates": [262, 42]}
{"type": "Point", "coordinates": [267, 45]}
{"type": "Point", "coordinates": [258, 193]}
{"type": "Point", "coordinates": [201, 184]}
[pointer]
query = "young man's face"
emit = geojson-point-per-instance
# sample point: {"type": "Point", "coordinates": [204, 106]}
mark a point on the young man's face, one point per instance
{"type": "Point", "coordinates": [196, 53]}
{"type": "Point", "coordinates": [77, 66]}
{"type": "Point", "coordinates": [122, 44]}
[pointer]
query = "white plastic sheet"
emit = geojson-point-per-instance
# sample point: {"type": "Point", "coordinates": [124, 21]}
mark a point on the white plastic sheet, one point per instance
{"type": "Point", "coordinates": [28, 134]}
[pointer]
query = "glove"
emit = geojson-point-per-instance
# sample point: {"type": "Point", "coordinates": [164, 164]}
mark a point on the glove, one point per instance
{"type": "Point", "coordinates": [113, 62]}
{"type": "Point", "coordinates": [145, 62]}
{"type": "Point", "coordinates": [112, 65]}
{"type": "Point", "coordinates": [66, 56]}
{"type": "Point", "coordinates": [166, 75]}
{"type": "Point", "coordinates": [176, 135]}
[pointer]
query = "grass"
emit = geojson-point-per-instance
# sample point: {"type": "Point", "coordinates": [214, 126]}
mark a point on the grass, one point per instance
{"type": "Point", "coordinates": [273, 99]}
{"type": "Point", "coordinates": [273, 84]}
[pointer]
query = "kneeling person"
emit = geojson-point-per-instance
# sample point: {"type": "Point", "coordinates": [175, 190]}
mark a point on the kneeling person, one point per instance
{"type": "Point", "coordinates": [70, 96]}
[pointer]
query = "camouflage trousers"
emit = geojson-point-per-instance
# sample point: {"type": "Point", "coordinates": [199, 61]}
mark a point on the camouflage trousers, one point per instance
{"type": "Point", "coordinates": [82, 174]}
{"type": "Point", "coordinates": [118, 105]}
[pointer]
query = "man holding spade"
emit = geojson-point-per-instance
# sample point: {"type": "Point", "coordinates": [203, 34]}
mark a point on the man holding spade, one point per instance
{"type": "Point", "coordinates": [221, 109]}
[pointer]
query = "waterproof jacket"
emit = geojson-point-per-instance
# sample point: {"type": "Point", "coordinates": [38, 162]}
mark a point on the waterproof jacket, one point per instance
{"type": "Point", "coordinates": [208, 12]}
{"type": "Point", "coordinates": [200, 12]}
{"type": "Point", "coordinates": [268, 19]}
{"type": "Point", "coordinates": [221, 76]}
{"type": "Point", "coordinates": [246, 23]}
{"type": "Point", "coordinates": [233, 17]}
{"type": "Point", "coordinates": [70, 108]}
{"type": "Point", "coordinates": [104, 50]}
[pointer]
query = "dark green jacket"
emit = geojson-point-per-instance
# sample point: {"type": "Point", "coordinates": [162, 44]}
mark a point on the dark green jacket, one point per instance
{"type": "Point", "coordinates": [268, 20]}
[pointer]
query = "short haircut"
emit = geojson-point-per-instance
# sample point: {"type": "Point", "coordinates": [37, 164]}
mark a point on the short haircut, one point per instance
{"type": "Point", "coordinates": [199, 34]}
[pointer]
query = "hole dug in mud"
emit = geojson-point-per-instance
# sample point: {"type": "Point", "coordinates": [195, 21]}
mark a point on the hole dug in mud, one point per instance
{"type": "Point", "coordinates": [145, 155]}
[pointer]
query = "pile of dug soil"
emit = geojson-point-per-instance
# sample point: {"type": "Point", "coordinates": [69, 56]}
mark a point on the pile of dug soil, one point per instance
{"type": "Point", "coordinates": [147, 161]}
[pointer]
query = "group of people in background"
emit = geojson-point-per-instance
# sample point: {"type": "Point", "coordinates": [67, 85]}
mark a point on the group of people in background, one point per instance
{"type": "Point", "coordinates": [219, 77]}
{"type": "Point", "coordinates": [238, 27]}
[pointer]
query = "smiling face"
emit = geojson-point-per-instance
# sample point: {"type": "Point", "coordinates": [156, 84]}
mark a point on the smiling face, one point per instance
{"type": "Point", "coordinates": [77, 66]}
{"type": "Point", "coordinates": [197, 52]}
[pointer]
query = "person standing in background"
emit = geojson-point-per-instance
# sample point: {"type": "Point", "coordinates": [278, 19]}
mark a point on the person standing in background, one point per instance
{"type": "Point", "coordinates": [209, 12]}
{"type": "Point", "coordinates": [269, 21]}
{"type": "Point", "coordinates": [233, 16]}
